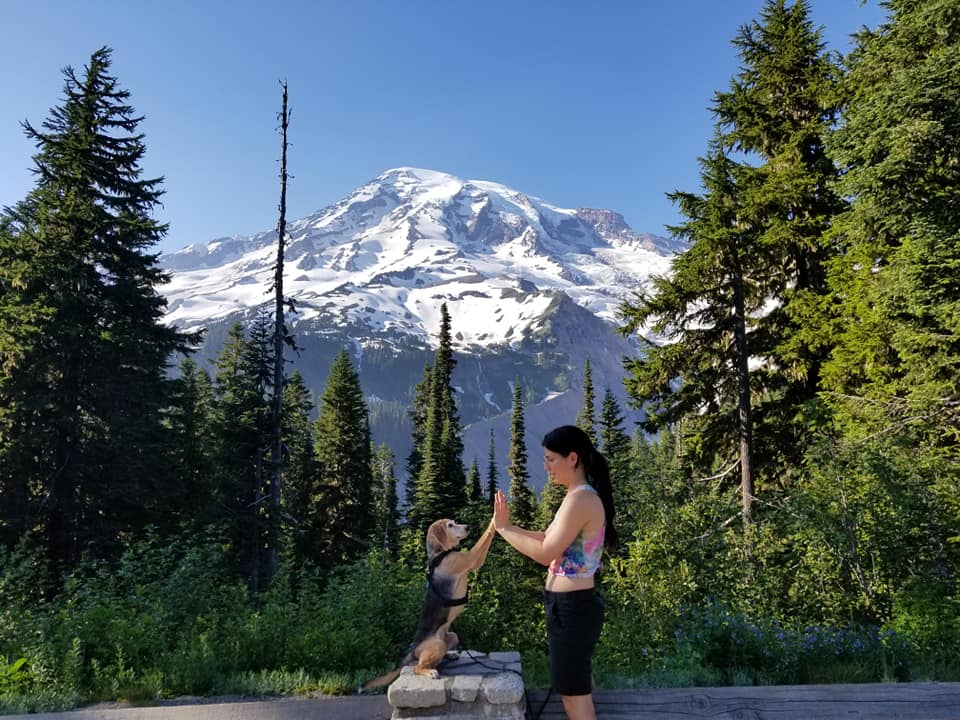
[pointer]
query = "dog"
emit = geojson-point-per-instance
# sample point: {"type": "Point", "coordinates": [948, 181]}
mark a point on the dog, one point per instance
{"type": "Point", "coordinates": [447, 571]}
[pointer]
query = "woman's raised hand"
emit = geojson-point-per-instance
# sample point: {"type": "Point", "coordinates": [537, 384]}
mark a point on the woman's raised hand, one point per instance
{"type": "Point", "coordinates": [501, 511]}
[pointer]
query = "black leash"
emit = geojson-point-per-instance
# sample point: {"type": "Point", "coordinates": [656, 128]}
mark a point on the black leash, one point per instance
{"type": "Point", "coordinates": [527, 713]}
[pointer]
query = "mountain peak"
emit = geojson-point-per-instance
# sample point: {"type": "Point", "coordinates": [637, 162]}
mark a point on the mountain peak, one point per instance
{"type": "Point", "coordinates": [385, 257]}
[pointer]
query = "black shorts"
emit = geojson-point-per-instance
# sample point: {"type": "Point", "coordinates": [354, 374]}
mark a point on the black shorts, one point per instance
{"type": "Point", "coordinates": [574, 621]}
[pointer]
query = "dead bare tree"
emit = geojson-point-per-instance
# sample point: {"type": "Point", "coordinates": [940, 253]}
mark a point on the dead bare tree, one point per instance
{"type": "Point", "coordinates": [280, 338]}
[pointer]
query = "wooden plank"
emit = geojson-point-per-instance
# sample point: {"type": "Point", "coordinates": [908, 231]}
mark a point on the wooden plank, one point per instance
{"type": "Point", "coordinates": [901, 701]}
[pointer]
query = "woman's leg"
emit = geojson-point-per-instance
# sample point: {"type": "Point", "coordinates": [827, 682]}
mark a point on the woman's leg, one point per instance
{"type": "Point", "coordinates": [579, 707]}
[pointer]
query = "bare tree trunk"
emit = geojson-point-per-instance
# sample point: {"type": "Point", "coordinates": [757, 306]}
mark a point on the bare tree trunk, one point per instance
{"type": "Point", "coordinates": [745, 418]}
{"type": "Point", "coordinates": [276, 420]}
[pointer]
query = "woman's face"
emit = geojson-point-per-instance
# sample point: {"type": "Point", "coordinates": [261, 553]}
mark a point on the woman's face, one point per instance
{"type": "Point", "coordinates": [559, 467]}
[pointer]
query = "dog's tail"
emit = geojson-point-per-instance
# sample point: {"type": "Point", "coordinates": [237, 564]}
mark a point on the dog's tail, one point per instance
{"type": "Point", "coordinates": [381, 681]}
{"type": "Point", "coordinates": [388, 678]}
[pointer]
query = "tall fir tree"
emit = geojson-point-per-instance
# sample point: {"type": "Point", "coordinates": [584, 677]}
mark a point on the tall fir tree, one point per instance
{"type": "Point", "coordinates": [777, 112]}
{"type": "Point", "coordinates": [190, 419]}
{"type": "Point", "coordinates": [300, 472]}
{"type": "Point", "coordinates": [82, 346]}
{"type": "Point", "coordinates": [418, 421]}
{"type": "Point", "coordinates": [897, 277]}
{"type": "Point", "coordinates": [702, 308]}
{"type": "Point", "coordinates": [587, 419]}
{"type": "Point", "coordinates": [894, 370]}
{"type": "Point", "coordinates": [387, 516]}
{"type": "Point", "coordinates": [474, 487]}
{"type": "Point", "coordinates": [241, 441]}
{"type": "Point", "coordinates": [617, 448]}
{"type": "Point", "coordinates": [491, 470]}
{"type": "Point", "coordinates": [342, 429]}
{"type": "Point", "coordinates": [767, 215]}
{"type": "Point", "coordinates": [281, 336]}
{"type": "Point", "coordinates": [522, 501]}
{"type": "Point", "coordinates": [440, 485]}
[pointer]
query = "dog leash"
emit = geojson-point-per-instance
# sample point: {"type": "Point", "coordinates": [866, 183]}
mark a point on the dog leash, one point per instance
{"type": "Point", "coordinates": [527, 713]}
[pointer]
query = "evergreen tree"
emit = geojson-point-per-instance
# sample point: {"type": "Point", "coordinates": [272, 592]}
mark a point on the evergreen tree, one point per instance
{"type": "Point", "coordinates": [387, 516]}
{"type": "Point", "coordinates": [241, 432]}
{"type": "Point", "coordinates": [897, 277]}
{"type": "Point", "coordinates": [522, 503]}
{"type": "Point", "coordinates": [82, 346]}
{"type": "Point", "coordinates": [586, 420]}
{"type": "Point", "coordinates": [418, 419]}
{"type": "Point", "coordinates": [491, 471]}
{"type": "Point", "coordinates": [474, 489]}
{"type": "Point", "coordinates": [190, 419]}
{"type": "Point", "coordinates": [345, 509]}
{"type": "Point", "coordinates": [300, 472]}
{"type": "Point", "coordinates": [702, 310]}
{"type": "Point", "coordinates": [759, 245]}
{"type": "Point", "coordinates": [281, 336]}
{"type": "Point", "coordinates": [777, 112]}
{"type": "Point", "coordinates": [477, 512]}
{"type": "Point", "coordinates": [894, 370]}
{"type": "Point", "coordinates": [617, 448]}
{"type": "Point", "coordinates": [440, 485]}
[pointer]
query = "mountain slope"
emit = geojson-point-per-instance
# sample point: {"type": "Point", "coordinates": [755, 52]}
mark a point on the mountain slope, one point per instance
{"type": "Point", "coordinates": [532, 290]}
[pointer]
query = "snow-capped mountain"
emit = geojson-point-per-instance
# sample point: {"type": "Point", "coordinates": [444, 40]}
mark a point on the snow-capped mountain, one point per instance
{"type": "Point", "coordinates": [532, 289]}
{"type": "Point", "coordinates": [387, 255]}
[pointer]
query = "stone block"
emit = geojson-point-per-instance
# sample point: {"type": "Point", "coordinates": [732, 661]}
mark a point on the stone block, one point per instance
{"type": "Point", "coordinates": [465, 688]}
{"type": "Point", "coordinates": [471, 686]}
{"type": "Point", "coordinates": [416, 691]}
{"type": "Point", "coordinates": [503, 688]}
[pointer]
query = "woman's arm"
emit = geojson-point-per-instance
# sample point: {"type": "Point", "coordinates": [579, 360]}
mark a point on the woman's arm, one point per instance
{"type": "Point", "coordinates": [528, 542]}
{"type": "Point", "coordinates": [542, 547]}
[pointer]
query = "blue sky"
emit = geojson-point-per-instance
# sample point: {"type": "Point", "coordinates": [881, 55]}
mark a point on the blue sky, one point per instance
{"type": "Point", "coordinates": [599, 104]}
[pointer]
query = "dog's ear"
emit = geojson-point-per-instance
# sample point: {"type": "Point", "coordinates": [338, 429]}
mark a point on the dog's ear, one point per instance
{"type": "Point", "coordinates": [437, 537]}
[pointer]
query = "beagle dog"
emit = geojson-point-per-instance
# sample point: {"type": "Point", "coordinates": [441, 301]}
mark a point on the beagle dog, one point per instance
{"type": "Point", "coordinates": [447, 571]}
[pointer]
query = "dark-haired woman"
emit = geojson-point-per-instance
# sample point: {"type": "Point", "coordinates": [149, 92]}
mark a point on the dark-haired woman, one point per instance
{"type": "Point", "coordinates": [570, 548]}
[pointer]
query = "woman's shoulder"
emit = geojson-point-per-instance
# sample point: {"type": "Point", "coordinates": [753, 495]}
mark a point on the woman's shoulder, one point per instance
{"type": "Point", "coordinates": [584, 498]}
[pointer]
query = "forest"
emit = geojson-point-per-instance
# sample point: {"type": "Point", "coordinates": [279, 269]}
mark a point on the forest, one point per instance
{"type": "Point", "coordinates": [789, 510]}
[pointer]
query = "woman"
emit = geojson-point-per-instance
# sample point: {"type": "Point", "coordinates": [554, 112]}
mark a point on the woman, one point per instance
{"type": "Point", "coordinates": [570, 548]}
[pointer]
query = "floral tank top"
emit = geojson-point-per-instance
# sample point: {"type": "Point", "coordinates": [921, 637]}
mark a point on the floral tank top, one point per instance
{"type": "Point", "coordinates": [582, 557]}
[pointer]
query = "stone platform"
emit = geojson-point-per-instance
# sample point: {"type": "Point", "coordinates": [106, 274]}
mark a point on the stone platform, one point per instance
{"type": "Point", "coordinates": [472, 686]}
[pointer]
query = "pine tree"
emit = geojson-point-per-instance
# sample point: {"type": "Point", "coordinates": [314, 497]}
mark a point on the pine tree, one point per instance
{"type": "Point", "coordinates": [586, 420]}
{"type": "Point", "coordinates": [474, 489]}
{"type": "Point", "coordinates": [522, 504]}
{"type": "Point", "coordinates": [418, 420]}
{"type": "Point", "coordinates": [439, 490]}
{"type": "Point", "coordinates": [760, 247]}
{"type": "Point", "coordinates": [387, 516]}
{"type": "Point", "coordinates": [190, 419]}
{"type": "Point", "coordinates": [894, 370]}
{"type": "Point", "coordinates": [491, 471]}
{"type": "Point", "coordinates": [617, 448]}
{"type": "Point", "coordinates": [342, 429]}
{"type": "Point", "coordinates": [777, 112]}
{"type": "Point", "coordinates": [897, 278]}
{"type": "Point", "coordinates": [82, 345]}
{"type": "Point", "coordinates": [300, 472]}
{"type": "Point", "coordinates": [702, 309]}
{"type": "Point", "coordinates": [241, 441]}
